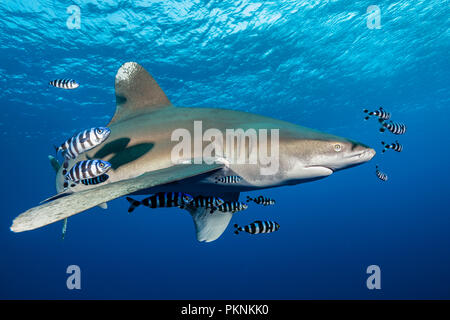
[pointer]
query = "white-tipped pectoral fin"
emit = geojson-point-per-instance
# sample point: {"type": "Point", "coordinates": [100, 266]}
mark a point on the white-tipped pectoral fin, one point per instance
{"type": "Point", "coordinates": [74, 203]}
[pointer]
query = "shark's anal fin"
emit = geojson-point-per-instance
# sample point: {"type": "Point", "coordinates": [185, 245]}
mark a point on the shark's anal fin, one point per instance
{"type": "Point", "coordinates": [103, 205]}
{"type": "Point", "coordinates": [74, 203]}
{"type": "Point", "coordinates": [209, 226]}
{"type": "Point", "coordinates": [136, 92]}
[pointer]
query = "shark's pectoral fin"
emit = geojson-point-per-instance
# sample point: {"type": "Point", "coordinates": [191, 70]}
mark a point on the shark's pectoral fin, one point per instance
{"type": "Point", "coordinates": [136, 92]}
{"type": "Point", "coordinates": [56, 196]}
{"type": "Point", "coordinates": [209, 226]}
{"type": "Point", "coordinates": [72, 204]}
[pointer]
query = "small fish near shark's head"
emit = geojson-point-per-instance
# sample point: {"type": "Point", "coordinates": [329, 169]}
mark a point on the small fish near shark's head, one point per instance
{"type": "Point", "coordinates": [100, 134]}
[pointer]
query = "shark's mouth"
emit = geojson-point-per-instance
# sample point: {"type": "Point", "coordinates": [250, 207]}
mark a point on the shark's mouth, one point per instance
{"type": "Point", "coordinates": [362, 156]}
{"type": "Point", "coordinates": [348, 161]}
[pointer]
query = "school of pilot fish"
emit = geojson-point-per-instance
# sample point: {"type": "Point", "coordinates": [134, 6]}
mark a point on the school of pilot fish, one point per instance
{"type": "Point", "coordinates": [396, 128]}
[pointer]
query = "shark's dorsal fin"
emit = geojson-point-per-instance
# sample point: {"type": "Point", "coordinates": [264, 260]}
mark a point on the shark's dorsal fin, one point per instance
{"type": "Point", "coordinates": [136, 92]}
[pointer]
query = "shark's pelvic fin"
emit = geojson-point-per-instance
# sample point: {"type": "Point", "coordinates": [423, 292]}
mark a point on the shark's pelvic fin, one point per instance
{"type": "Point", "coordinates": [137, 92]}
{"type": "Point", "coordinates": [209, 226]}
{"type": "Point", "coordinates": [72, 204]}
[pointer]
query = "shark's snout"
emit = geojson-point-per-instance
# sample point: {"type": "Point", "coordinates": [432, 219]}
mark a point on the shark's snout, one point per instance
{"type": "Point", "coordinates": [362, 153]}
{"type": "Point", "coordinates": [359, 154]}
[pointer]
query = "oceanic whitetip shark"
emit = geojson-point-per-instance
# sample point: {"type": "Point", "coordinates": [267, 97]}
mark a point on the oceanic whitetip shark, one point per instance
{"type": "Point", "coordinates": [140, 145]}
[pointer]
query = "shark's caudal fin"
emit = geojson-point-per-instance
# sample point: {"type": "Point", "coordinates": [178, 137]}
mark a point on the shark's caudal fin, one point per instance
{"type": "Point", "coordinates": [209, 226]}
{"type": "Point", "coordinates": [136, 92]}
{"type": "Point", "coordinates": [80, 201]}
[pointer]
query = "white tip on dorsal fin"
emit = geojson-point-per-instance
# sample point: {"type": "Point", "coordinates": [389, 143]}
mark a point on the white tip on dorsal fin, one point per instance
{"type": "Point", "coordinates": [136, 92]}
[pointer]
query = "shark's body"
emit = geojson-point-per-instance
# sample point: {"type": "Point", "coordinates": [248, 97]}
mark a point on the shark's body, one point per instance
{"type": "Point", "coordinates": [140, 151]}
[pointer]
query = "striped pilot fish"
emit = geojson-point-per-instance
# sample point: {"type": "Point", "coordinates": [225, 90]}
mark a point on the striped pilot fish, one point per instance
{"type": "Point", "coordinates": [261, 200]}
{"type": "Point", "coordinates": [232, 206]}
{"type": "Point", "coordinates": [258, 227]}
{"type": "Point", "coordinates": [229, 179]}
{"type": "Point", "coordinates": [396, 146]}
{"type": "Point", "coordinates": [87, 169]}
{"type": "Point", "coordinates": [83, 141]}
{"type": "Point", "coordinates": [206, 202]}
{"type": "Point", "coordinates": [162, 200]}
{"type": "Point", "coordinates": [96, 180]}
{"type": "Point", "coordinates": [394, 127]}
{"type": "Point", "coordinates": [381, 175]}
{"type": "Point", "coordinates": [64, 84]}
{"type": "Point", "coordinates": [380, 113]}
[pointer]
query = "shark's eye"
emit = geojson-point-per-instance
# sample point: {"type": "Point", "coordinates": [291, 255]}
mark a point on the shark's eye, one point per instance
{"type": "Point", "coordinates": [102, 164]}
{"type": "Point", "coordinates": [337, 147]}
{"type": "Point", "coordinates": [99, 130]}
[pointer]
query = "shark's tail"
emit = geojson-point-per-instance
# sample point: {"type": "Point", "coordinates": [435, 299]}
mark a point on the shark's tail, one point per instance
{"type": "Point", "coordinates": [384, 144]}
{"type": "Point", "coordinates": [237, 229]}
{"type": "Point", "coordinates": [249, 199]}
{"type": "Point", "coordinates": [133, 204]}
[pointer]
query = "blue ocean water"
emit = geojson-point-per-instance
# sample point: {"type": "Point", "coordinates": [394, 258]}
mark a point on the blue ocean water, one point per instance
{"type": "Point", "coordinates": [314, 63]}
